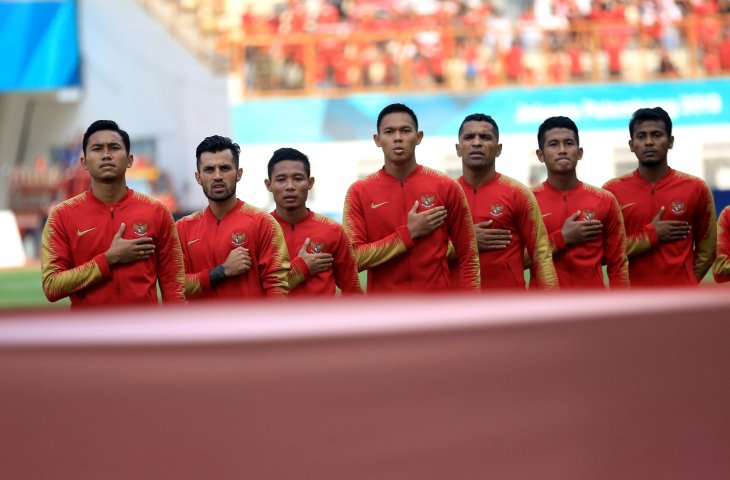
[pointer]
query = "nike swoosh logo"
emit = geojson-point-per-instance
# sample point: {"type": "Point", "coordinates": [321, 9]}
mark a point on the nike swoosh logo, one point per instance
{"type": "Point", "coordinates": [627, 205]}
{"type": "Point", "coordinates": [83, 232]}
{"type": "Point", "coordinates": [546, 214]}
{"type": "Point", "coordinates": [193, 241]}
{"type": "Point", "coordinates": [376, 205]}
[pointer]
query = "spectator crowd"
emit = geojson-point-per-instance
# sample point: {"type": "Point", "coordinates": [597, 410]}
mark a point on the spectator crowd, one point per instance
{"type": "Point", "coordinates": [299, 44]}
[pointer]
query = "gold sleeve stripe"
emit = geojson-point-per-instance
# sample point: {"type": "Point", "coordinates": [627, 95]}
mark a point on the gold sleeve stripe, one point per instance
{"type": "Point", "coordinates": [721, 266]}
{"type": "Point", "coordinates": [541, 261]}
{"type": "Point", "coordinates": [280, 265]}
{"type": "Point", "coordinates": [177, 258]}
{"type": "Point", "coordinates": [706, 247]}
{"type": "Point", "coordinates": [637, 244]}
{"type": "Point", "coordinates": [296, 276]}
{"type": "Point", "coordinates": [192, 285]}
{"type": "Point", "coordinates": [59, 283]}
{"type": "Point", "coordinates": [472, 272]}
{"type": "Point", "coordinates": [376, 253]}
{"type": "Point", "coordinates": [542, 256]}
{"type": "Point", "coordinates": [371, 254]}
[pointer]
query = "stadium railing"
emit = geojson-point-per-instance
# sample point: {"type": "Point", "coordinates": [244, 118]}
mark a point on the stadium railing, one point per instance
{"type": "Point", "coordinates": [464, 59]}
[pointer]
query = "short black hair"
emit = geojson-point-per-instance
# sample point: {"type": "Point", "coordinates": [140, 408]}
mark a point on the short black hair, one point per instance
{"type": "Point", "coordinates": [479, 117]}
{"type": "Point", "coordinates": [100, 125]}
{"type": "Point", "coordinates": [656, 113]}
{"type": "Point", "coordinates": [217, 143]}
{"type": "Point", "coordinates": [556, 122]}
{"type": "Point", "coordinates": [396, 108]}
{"type": "Point", "coordinates": [288, 154]}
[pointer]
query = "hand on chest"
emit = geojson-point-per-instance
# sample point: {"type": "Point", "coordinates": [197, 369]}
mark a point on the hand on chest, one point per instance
{"type": "Point", "coordinates": [384, 204]}
{"type": "Point", "coordinates": [319, 241]}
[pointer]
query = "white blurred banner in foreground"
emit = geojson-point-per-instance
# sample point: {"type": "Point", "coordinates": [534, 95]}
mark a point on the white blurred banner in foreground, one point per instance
{"type": "Point", "coordinates": [564, 386]}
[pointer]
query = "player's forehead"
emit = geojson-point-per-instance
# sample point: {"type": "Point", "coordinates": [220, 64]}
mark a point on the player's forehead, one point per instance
{"type": "Point", "coordinates": [288, 167]}
{"type": "Point", "coordinates": [216, 159]}
{"type": "Point", "coordinates": [105, 137]}
{"type": "Point", "coordinates": [397, 120]}
{"type": "Point", "coordinates": [646, 126]}
{"type": "Point", "coordinates": [560, 133]}
{"type": "Point", "coordinates": [477, 127]}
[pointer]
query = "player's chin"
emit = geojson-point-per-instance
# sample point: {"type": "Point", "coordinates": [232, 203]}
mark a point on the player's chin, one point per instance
{"type": "Point", "coordinates": [220, 196]}
{"type": "Point", "coordinates": [649, 161]}
{"type": "Point", "coordinates": [108, 176]}
{"type": "Point", "coordinates": [477, 160]}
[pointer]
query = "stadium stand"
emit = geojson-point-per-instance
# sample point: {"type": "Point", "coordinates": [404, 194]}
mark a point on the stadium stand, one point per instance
{"type": "Point", "coordinates": [336, 47]}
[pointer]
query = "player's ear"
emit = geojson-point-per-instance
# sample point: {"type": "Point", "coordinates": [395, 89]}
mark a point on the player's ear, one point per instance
{"type": "Point", "coordinates": [239, 174]}
{"type": "Point", "coordinates": [376, 139]}
{"type": "Point", "coordinates": [671, 141]}
{"type": "Point", "coordinates": [458, 150]}
{"type": "Point", "coordinates": [311, 183]}
{"type": "Point", "coordinates": [420, 137]}
{"type": "Point", "coordinates": [267, 182]}
{"type": "Point", "coordinates": [540, 155]}
{"type": "Point", "coordinates": [197, 177]}
{"type": "Point", "coordinates": [631, 145]}
{"type": "Point", "coordinates": [499, 150]}
{"type": "Point", "coordinates": [580, 153]}
{"type": "Point", "coordinates": [130, 160]}
{"type": "Point", "coordinates": [82, 161]}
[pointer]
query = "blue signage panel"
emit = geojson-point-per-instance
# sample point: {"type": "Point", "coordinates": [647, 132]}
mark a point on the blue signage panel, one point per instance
{"type": "Point", "coordinates": [516, 110]}
{"type": "Point", "coordinates": [39, 45]}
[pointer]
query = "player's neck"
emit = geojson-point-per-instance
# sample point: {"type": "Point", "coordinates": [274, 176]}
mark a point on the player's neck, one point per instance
{"type": "Point", "coordinates": [109, 192]}
{"type": "Point", "coordinates": [563, 182]}
{"type": "Point", "coordinates": [219, 209]}
{"type": "Point", "coordinates": [401, 171]}
{"type": "Point", "coordinates": [292, 216]}
{"type": "Point", "coordinates": [654, 173]}
{"type": "Point", "coordinates": [477, 178]}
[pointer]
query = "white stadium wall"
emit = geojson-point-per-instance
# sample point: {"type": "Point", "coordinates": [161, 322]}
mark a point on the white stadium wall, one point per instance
{"type": "Point", "coordinates": [335, 165]}
{"type": "Point", "coordinates": [134, 72]}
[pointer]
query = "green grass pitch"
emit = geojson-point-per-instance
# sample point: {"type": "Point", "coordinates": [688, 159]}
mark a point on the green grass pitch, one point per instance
{"type": "Point", "coordinates": [21, 288]}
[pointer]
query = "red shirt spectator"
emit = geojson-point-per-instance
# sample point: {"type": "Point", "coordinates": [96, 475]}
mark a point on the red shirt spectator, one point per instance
{"type": "Point", "coordinates": [513, 67]}
{"type": "Point", "coordinates": [724, 53]}
{"type": "Point", "coordinates": [711, 60]}
{"type": "Point", "coordinates": [575, 57]}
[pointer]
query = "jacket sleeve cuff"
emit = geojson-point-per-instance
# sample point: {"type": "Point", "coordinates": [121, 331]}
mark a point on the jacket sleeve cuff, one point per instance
{"type": "Point", "coordinates": [651, 234]}
{"type": "Point", "coordinates": [206, 286]}
{"type": "Point", "coordinates": [299, 265]}
{"type": "Point", "coordinates": [405, 235]}
{"type": "Point", "coordinates": [103, 265]}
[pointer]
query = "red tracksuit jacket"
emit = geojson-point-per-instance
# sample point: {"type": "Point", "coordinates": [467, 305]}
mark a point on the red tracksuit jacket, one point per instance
{"type": "Point", "coordinates": [81, 229]}
{"type": "Point", "coordinates": [207, 241]}
{"type": "Point", "coordinates": [511, 206]}
{"type": "Point", "coordinates": [581, 266]}
{"type": "Point", "coordinates": [326, 236]}
{"type": "Point", "coordinates": [684, 197]}
{"type": "Point", "coordinates": [375, 217]}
